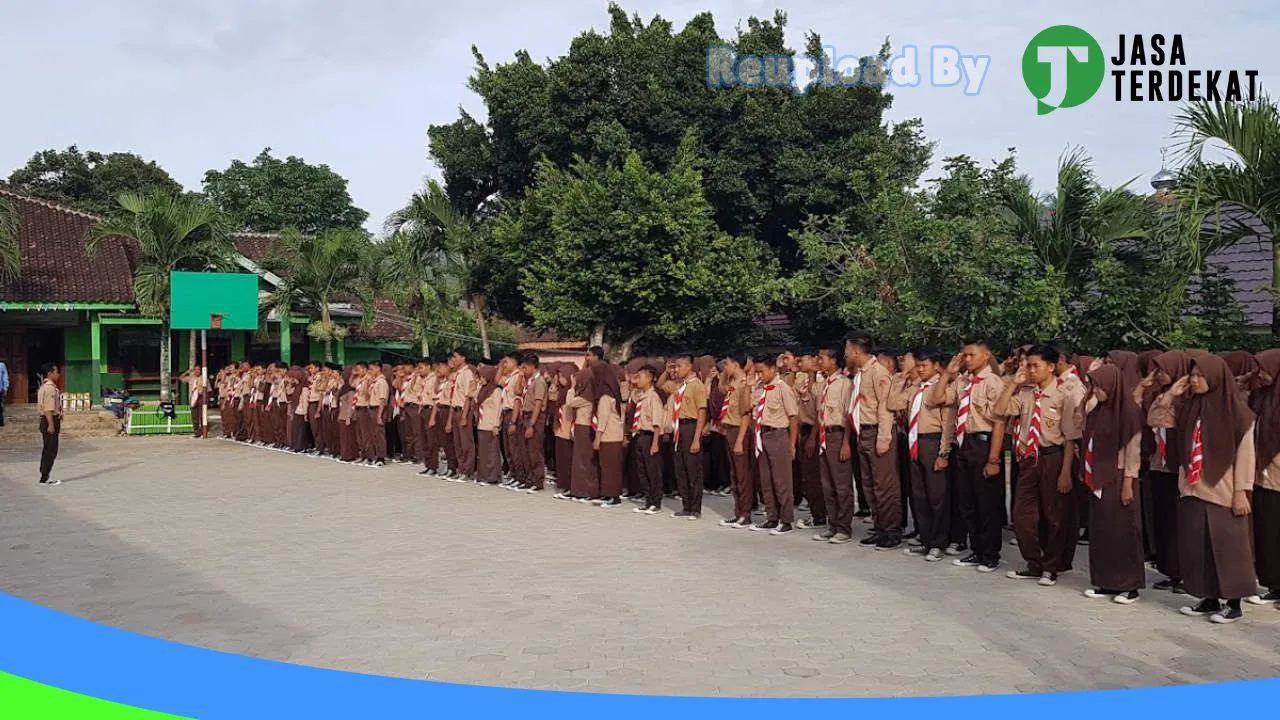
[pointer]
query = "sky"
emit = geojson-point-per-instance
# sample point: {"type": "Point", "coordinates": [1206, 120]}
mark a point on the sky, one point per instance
{"type": "Point", "coordinates": [194, 84]}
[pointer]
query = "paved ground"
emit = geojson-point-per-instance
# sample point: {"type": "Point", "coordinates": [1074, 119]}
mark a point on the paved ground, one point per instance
{"type": "Point", "coordinates": [377, 570]}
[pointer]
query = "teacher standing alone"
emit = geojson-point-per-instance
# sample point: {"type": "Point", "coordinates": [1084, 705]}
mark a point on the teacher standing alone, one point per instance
{"type": "Point", "coordinates": [49, 405]}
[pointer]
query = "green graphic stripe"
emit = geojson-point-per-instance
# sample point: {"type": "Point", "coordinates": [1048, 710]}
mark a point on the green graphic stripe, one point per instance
{"type": "Point", "coordinates": [22, 699]}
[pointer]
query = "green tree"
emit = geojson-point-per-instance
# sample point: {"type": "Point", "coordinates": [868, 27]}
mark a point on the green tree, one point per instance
{"type": "Point", "coordinates": [316, 271]}
{"type": "Point", "coordinates": [10, 253]}
{"type": "Point", "coordinates": [1250, 132]}
{"type": "Point", "coordinates": [90, 180]}
{"type": "Point", "coordinates": [169, 233]}
{"type": "Point", "coordinates": [620, 253]}
{"type": "Point", "coordinates": [421, 281]}
{"type": "Point", "coordinates": [272, 194]}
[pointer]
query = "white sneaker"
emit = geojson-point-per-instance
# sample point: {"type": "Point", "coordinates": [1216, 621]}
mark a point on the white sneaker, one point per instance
{"type": "Point", "coordinates": [934, 555]}
{"type": "Point", "coordinates": [1048, 579]}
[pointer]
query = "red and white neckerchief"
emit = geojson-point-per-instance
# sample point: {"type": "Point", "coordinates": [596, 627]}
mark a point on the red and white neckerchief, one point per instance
{"type": "Point", "coordinates": [1032, 446]}
{"type": "Point", "coordinates": [1162, 444]}
{"type": "Point", "coordinates": [724, 406]}
{"type": "Point", "coordinates": [913, 425]}
{"type": "Point", "coordinates": [1069, 373]}
{"type": "Point", "coordinates": [675, 414]}
{"type": "Point", "coordinates": [757, 414]}
{"type": "Point", "coordinates": [635, 418]}
{"type": "Point", "coordinates": [855, 404]}
{"type": "Point", "coordinates": [822, 416]}
{"type": "Point", "coordinates": [1086, 474]}
{"type": "Point", "coordinates": [1195, 470]}
{"type": "Point", "coordinates": [595, 423]}
{"type": "Point", "coordinates": [962, 414]}
{"type": "Point", "coordinates": [396, 402]}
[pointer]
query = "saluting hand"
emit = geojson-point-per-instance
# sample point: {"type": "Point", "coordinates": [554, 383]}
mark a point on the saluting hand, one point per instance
{"type": "Point", "coordinates": [956, 363]}
{"type": "Point", "coordinates": [1180, 387]}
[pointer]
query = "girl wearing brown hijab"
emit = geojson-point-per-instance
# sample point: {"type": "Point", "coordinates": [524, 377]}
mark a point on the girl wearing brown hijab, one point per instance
{"type": "Point", "coordinates": [585, 485]}
{"type": "Point", "coordinates": [609, 435]}
{"type": "Point", "coordinates": [1112, 459]}
{"type": "Point", "coordinates": [1215, 431]}
{"type": "Point", "coordinates": [488, 424]}
{"type": "Point", "coordinates": [1163, 371]}
{"type": "Point", "coordinates": [1264, 400]}
{"type": "Point", "coordinates": [346, 417]}
{"type": "Point", "coordinates": [564, 432]}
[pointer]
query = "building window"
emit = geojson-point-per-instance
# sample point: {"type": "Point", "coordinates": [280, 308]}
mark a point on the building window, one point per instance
{"type": "Point", "coordinates": [133, 350]}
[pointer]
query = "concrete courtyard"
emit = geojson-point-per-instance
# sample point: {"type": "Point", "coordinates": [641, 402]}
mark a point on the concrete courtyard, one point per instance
{"type": "Point", "coordinates": [304, 560]}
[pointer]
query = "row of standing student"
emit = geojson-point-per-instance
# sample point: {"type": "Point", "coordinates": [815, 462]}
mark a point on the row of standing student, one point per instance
{"type": "Point", "coordinates": [1096, 442]}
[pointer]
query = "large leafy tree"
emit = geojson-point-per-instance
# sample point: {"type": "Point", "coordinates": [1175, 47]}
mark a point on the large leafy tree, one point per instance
{"type": "Point", "coordinates": [270, 194]}
{"type": "Point", "coordinates": [769, 157]}
{"type": "Point", "coordinates": [90, 180]}
{"type": "Point", "coordinates": [422, 281]}
{"type": "Point", "coordinates": [10, 253]}
{"type": "Point", "coordinates": [316, 271]}
{"type": "Point", "coordinates": [169, 233]}
{"type": "Point", "coordinates": [1249, 179]}
{"type": "Point", "coordinates": [623, 252]}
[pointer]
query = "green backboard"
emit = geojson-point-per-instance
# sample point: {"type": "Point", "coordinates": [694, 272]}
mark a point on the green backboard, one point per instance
{"type": "Point", "coordinates": [212, 301]}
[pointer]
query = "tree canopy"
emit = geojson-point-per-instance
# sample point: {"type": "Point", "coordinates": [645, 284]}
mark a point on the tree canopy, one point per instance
{"type": "Point", "coordinates": [90, 181]}
{"type": "Point", "coordinates": [271, 194]}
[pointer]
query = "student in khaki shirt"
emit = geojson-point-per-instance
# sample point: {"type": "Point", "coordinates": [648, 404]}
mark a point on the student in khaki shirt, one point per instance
{"type": "Point", "coordinates": [806, 476]}
{"type": "Point", "coordinates": [876, 448]}
{"type": "Point", "coordinates": [834, 449]}
{"type": "Point", "coordinates": [646, 431]}
{"type": "Point", "coordinates": [488, 427]}
{"type": "Point", "coordinates": [585, 485]}
{"type": "Point", "coordinates": [1264, 400]}
{"type": "Point", "coordinates": [532, 425]}
{"type": "Point", "coordinates": [49, 405]}
{"type": "Point", "coordinates": [511, 382]}
{"type": "Point", "coordinates": [1215, 432]}
{"type": "Point", "coordinates": [380, 394]}
{"type": "Point", "coordinates": [564, 431]}
{"type": "Point", "coordinates": [930, 433]}
{"type": "Point", "coordinates": [1048, 430]}
{"type": "Point", "coordinates": [609, 435]}
{"type": "Point", "coordinates": [776, 429]}
{"type": "Point", "coordinates": [980, 441]}
{"type": "Point", "coordinates": [689, 415]}
{"type": "Point", "coordinates": [461, 392]}
{"type": "Point", "coordinates": [735, 419]}
{"type": "Point", "coordinates": [1070, 382]}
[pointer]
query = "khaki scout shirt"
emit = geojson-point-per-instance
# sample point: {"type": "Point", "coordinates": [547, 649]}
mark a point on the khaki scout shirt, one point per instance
{"type": "Point", "coordinates": [780, 405]}
{"type": "Point", "coordinates": [463, 386]}
{"type": "Point", "coordinates": [534, 390]}
{"type": "Point", "coordinates": [987, 389]}
{"type": "Point", "coordinates": [737, 393]}
{"type": "Point", "coordinates": [652, 413]}
{"type": "Point", "coordinates": [609, 420]}
{"type": "Point", "coordinates": [695, 397]}
{"type": "Point", "coordinates": [806, 389]}
{"type": "Point", "coordinates": [1059, 421]}
{"type": "Point", "coordinates": [512, 390]}
{"type": "Point", "coordinates": [875, 388]}
{"type": "Point", "coordinates": [490, 418]}
{"type": "Point", "coordinates": [1240, 476]}
{"type": "Point", "coordinates": [49, 399]}
{"type": "Point", "coordinates": [379, 391]}
{"type": "Point", "coordinates": [833, 399]}
{"type": "Point", "coordinates": [934, 417]}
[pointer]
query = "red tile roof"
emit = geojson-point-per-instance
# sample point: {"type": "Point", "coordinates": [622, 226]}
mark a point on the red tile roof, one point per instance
{"type": "Point", "coordinates": [387, 325]}
{"type": "Point", "coordinates": [55, 266]}
{"type": "Point", "coordinates": [255, 246]}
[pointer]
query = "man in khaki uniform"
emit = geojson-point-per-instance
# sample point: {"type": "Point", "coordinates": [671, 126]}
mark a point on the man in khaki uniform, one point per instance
{"type": "Point", "coordinates": [688, 421]}
{"type": "Point", "coordinates": [873, 425]}
{"type": "Point", "coordinates": [735, 419]}
{"type": "Point", "coordinates": [776, 430]}
{"type": "Point", "coordinates": [531, 435]}
{"type": "Point", "coordinates": [807, 481]}
{"type": "Point", "coordinates": [461, 392]}
{"type": "Point", "coordinates": [930, 433]}
{"type": "Point", "coordinates": [835, 451]}
{"type": "Point", "coordinates": [511, 383]}
{"type": "Point", "coordinates": [1048, 429]}
{"type": "Point", "coordinates": [49, 405]}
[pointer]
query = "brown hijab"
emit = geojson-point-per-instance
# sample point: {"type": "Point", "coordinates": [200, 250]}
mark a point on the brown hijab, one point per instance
{"type": "Point", "coordinates": [585, 386]}
{"type": "Point", "coordinates": [1226, 419]}
{"type": "Point", "coordinates": [1082, 363]}
{"type": "Point", "coordinates": [703, 365]}
{"type": "Point", "coordinates": [1114, 422]}
{"type": "Point", "coordinates": [1240, 363]}
{"type": "Point", "coordinates": [1175, 364]}
{"type": "Point", "coordinates": [605, 378]}
{"type": "Point", "coordinates": [489, 374]}
{"type": "Point", "coordinates": [1265, 403]}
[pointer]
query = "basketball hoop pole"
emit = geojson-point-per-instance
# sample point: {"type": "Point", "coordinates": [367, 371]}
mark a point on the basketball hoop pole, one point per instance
{"type": "Point", "coordinates": [204, 382]}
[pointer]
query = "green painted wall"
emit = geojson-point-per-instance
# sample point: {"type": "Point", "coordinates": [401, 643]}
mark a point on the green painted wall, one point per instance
{"type": "Point", "coordinates": [361, 353]}
{"type": "Point", "coordinates": [78, 353]}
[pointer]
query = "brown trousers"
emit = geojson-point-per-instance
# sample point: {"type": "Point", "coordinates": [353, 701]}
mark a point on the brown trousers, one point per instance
{"type": "Point", "coordinates": [299, 433]}
{"type": "Point", "coordinates": [348, 449]}
{"type": "Point", "coordinates": [880, 478]}
{"type": "Point", "coordinates": [413, 449]}
{"type": "Point", "coordinates": [774, 465]}
{"type": "Point", "coordinates": [688, 469]}
{"type": "Point", "coordinates": [1039, 503]}
{"type": "Point", "coordinates": [1164, 516]}
{"type": "Point", "coordinates": [836, 476]}
{"type": "Point", "coordinates": [534, 455]}
{"type": "Point", "coordinates": [367, 430]}
{"type": "Point", "coordinates": [488, 457]}
{"type": "Point", "coordinates": [513, 445]}
{"type": "Point", "coordinates": [744, 482]}
{"type": "Point", "coordinates": [428, 441]}
{"type": "Point", "coordinates": [331, 429]}
{"type": "Point", "coordinates": [808, 462]}
{"type": "Point", "coordinates": [564, 465]}
{"type": "Point", "coordinates": [610, 469]}
{"type": "Point", "coordinates": [249, 422]}
{"type": "Point", "coordinates": [464, 444]}
{"type": "Point", "coordinates": [586, 482]}
{"type": "Point", "coordinates": [318, 430]}
{"type": "Point", "coordinates": [229, 418]}
{"type": "Point", "coordinates": [930, 500]}
{"type": "Point", "coordinates": [648, 468]}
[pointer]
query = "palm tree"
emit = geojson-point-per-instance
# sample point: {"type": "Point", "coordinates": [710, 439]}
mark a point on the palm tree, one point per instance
{"type": "Point", "coordinates": [317, 270]}
{"type": "Point", "coordinates": [1250, 179]}
{"type": "Point", "coordinates": [1079, 220]}
{"type": "Point", "coordinates": [437, 229]}
{"type": "Point", "coordinates": [170, 233]}
{"type": "Point", "coordinates": [10, 255]}
{"type": "Point", "coordinates": [421, 282]}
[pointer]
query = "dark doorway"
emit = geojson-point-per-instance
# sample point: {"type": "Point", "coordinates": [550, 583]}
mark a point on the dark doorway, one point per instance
{"type": "Point", "coordinates": [44, 345]}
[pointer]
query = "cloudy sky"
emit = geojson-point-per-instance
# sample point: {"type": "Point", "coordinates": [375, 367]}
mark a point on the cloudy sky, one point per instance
{"type": "Point", "coordinates": [195, 83]}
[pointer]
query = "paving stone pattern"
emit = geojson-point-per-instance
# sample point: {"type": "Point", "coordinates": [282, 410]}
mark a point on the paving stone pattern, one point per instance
{"type": "Point", "coordinates": [264, 553]}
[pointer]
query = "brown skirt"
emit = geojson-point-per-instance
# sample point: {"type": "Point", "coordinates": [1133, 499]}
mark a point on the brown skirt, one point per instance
{"type": "Point", "coordinates": [1266, 536]}
{"type": "Point", "coordinates": [1115, 541]}
{"type": "Point", "coordinates": [1214, 551]}
{"type": "Point", "coordinates": [488, 458]}
{"type": "Point", "coordinates": [610, 469]}
{"type": "Point", "coordinates": [347, 448]}
{"type": "Point", "coordinates": [564, 464]}
{"type": "Point", "coordinates": [586, 482]}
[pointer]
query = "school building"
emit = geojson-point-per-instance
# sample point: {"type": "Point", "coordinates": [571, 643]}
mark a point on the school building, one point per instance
{"type": "Point", "coordinates": [77, 311]}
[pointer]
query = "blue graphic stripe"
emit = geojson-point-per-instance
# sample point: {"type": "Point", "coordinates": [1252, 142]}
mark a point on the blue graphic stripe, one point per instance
{"type": "Point", "coordinates": [83, 657]}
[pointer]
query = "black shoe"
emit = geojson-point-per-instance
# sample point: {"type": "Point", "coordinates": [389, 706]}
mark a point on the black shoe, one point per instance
{"type": "Point", "coordinates": [782, 529]}
{"type": "Point", "coordinates": [769, 525]}
{"type": "Point", "coordinates": [862, 513]}
{"type": "Point", "coordinates": [681, 514]}
{"type": "Point", "coordinates": [1229, 614]}
{"type": "Point", "coordinates": [911, 535]}
{"type": "Point", "coordinates": [1206, 607]}
{"type": "Point", "coordinates": [971, 560]}
{"type": "Point", "coordinates": [888, 543]}
{"type": "Point", "coordinates": [1026, 574]}
{"type": "Point", "coordinates": [871, 540]}
{"type": "Point", "coordinates": [1173, 586]}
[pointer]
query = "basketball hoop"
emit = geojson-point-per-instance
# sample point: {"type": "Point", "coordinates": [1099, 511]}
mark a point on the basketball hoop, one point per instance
{"type": "Point", "coordinates": [215, 321]}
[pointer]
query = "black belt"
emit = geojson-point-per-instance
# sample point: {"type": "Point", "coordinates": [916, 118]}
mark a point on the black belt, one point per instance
{"type": "Point", "coordinates": [930, 436]}
{"type": "Point", "coordinates": [412, 405]}
{"type": "Point", "coordinates": [767, 429]}
{"type": "Point", "coordinates": [980, 435]}
{"type": "Point", "coordinates": [1050, 450]}
{"type": "Point", "coordinates": [868, 426]}
{"type": "Point", "coordinates": [644, 432]}
{"type": "Point", "coordinates": [685, 421]}
{"type": "Point", "coordinates": [835, 428]}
